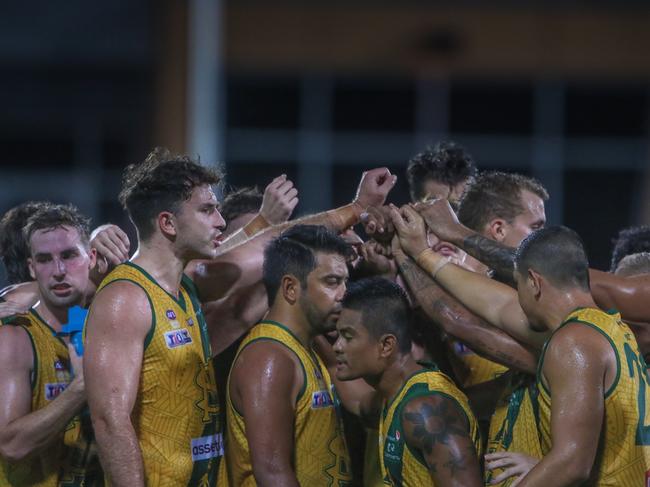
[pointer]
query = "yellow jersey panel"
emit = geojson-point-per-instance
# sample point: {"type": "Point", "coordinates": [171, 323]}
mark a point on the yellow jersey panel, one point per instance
{"type": "Point", "coordinates": [72, 458]}
{"type": "Point", "coordinates": [513, 426]}
{"type": "Point", "coordinates": [321, 457]}
{"type": "Point", "coordinates": [624, 456]}
{"type": "Point", "coordinates": [472, 368]}
{"type": "Point", "coordinates": [176, 411]}
{"type": "Point", "coordinates": [400, 465]}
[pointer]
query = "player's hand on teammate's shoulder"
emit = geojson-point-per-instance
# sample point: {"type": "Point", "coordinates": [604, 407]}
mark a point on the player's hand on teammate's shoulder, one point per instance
{"type": "Point", "coordinates": [279, 201]}
{"type": "Point", "coordinates": [111, 242]}
{"type": "Point", "coordinates": [10, 308]}
{"type": "Point", "coordinates": [374, 187]}
{"type": "Point", "coordinates": [440, 218]}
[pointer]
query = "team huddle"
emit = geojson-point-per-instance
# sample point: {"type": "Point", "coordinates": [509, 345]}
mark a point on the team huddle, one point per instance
{"type": "Point", "coordinates": [461, 342]}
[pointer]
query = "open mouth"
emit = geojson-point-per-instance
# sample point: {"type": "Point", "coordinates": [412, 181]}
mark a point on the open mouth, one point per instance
{"type": "Point", "coordinates": [61, 289]}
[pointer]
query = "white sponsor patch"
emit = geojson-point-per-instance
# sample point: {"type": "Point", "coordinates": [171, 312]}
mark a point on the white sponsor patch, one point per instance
{"type": "Point", "coordinates": [210, 446]}
{"type": "Point", "coordinates": [177, 338]}
{"type": "Point", "coordinates": [52, 390]}
{"type": "Point", "coordinates": [321, 399]}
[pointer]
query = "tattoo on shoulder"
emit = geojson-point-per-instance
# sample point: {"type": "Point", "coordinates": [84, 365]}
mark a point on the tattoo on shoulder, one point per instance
{"type": "Point", "coordinates": [435, 424]}
{"type": "Point", "coordinates": [493, 254]}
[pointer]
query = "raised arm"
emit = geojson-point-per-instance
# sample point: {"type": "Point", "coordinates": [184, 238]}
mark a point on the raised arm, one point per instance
{"type": "Point", "coordinates": [456, 320]}
{"type": "Point", "coordinates": [118, 322]}
{"type": "Point", "coordinates": [629, 295]}
{"type": "Point", "coordinates": [279, 200]}
{"type": "Point", "coordinates": [496, 303]}
{"type": "Point", "coordinates": [575, 375]}
{"type": "Point", "coordinates": [264, 385]}
{"type": "Point", "coordinates": [437, 427]}
{"type": "Point", "coordinates": [24, 432]}
{"type": "Point", "coordinates": [442, 220]}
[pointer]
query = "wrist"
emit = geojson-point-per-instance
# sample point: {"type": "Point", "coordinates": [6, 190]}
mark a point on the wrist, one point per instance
{"type": "Point", "coordinates": [345, 216]}
{"type": "Point", "coordinates": [256, 225]}
{"type": "Point", "coordinates": [431, 262]}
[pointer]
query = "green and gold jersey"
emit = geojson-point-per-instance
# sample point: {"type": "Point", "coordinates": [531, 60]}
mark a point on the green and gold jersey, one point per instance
{"type": "Point", "coordinates": [470, 367]}
{"type": "Point", "coordinates": [71, 459]}
{"type": "Point", "coordinates": [321, 456]}
{"type": "Point", "coordinates": [400, 465]}
{"type": "Point", "coordinates": [624, 454]}
{"type": "Point", "coordinates": [513, 426]}
{"type": "Point", "coordinates": [176, 411]}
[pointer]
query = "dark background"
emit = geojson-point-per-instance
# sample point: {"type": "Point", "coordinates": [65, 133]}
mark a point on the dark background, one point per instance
{"type": "Point", "coordinates": [323, 90]}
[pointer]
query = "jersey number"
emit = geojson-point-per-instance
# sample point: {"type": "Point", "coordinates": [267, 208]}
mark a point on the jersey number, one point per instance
{"type": "Point", "coordinates": [636, 363]}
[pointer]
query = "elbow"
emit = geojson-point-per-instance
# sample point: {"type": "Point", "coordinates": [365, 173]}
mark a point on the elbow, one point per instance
{"type": "Point", "coordinates": [12, 452]}
{"type": "Point", "coordinates": [269, 473]}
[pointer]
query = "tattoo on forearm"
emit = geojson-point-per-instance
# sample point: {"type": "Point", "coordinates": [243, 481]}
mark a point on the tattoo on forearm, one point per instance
{"type": "Point", "coordinates": [455, 319]}
{"type": "Point", "coordinates": [496, 256]}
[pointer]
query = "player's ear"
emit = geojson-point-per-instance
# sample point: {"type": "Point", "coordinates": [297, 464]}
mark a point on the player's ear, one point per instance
{"type": "Point", "coordinates": [290, 288]}
{"type": "Point", "coordinates": [92, 255]}
{"type": "Point", "coordinates": [497, 229]}
{"type": "Point", "coordinates": [167, 223]}
{"type": "Point", "coordinates": [30, 265]}
{"type": "Point", "coordinates": [387, 345]}
{"type": "Point", "coordinates": [535, 282]}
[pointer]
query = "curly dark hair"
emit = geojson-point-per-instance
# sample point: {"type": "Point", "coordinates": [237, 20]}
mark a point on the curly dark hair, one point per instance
{"type": "Point", "coordinates": [446, 162]}
{"type": "Point", "coordinates": [51, 216]}
{"type": "Point", "coordinates": [239, 202]}
{"type": "Point", "coordinates": [496, 194]}
{"type": "Point", "coordinates": [630, 240]}
{"type": "Point", "coordinates": [13, 247]}
{"type": "Point", "coordinates": [161, 183]}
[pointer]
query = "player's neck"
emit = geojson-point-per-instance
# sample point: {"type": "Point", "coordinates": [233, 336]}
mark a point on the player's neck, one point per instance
{"type": "Point", "coordinates": [161, 263]}
{"type": "Point", "coordinates": [395, 375]}
{"type": "Point", "coordinates": [296, 323]}
{"type": "Point", "coordinates": [53, 316]}
{"type": "Point", "coordinates": [563, 303]}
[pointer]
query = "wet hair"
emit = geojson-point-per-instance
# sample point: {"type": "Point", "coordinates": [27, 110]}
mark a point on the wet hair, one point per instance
{"type": "Point", "coordinates": [161, 183]}
{"type": "Point", "coordinates": [631, 240]}
{"type": "Point", "coordinates": [496, 194]}
{"type": "Point", "coordinates": [384, 309]}
{"type": "Point", "coordinates": [633, 265]}
{"type": "Point", "coordinates": [239, 202]}
{"type": "Point", "coordinates": [293, 253]}
{"type": "Point", "coordinates": [558, 254]}
{"type": "Point", "coordinates": [13, 246]}
{"type": "Point", "coordinates": [446, 162]}
{"type": "Point", "coordinates": [51, 216]}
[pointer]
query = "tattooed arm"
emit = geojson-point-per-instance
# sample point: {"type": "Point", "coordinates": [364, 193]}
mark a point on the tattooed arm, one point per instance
{"type": "Point", "coordinates": [459, 322]}
{"type": "Point", "coordinates": [437, 427]}
{"type": "Point", "coordinates": [442, 220]}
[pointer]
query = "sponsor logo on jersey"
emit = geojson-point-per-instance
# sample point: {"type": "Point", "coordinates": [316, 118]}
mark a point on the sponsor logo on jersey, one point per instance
{"type": "Point", "coordinates": [206, 447]}
{"type": "Point", "coordinates": [190, 322]}
{"type": "Point", "coordinates": [53, 389]}
{"type": "Point", "coordinates": [321, 399]}
{"type": "Point", "coordinates": [58, 365]}
{"type": "Point", "coordinates": [170, 314]}
{"type": "Point", "coordinates": [177, 338]}
{"type": "Point", "coordinates": [397, 435]}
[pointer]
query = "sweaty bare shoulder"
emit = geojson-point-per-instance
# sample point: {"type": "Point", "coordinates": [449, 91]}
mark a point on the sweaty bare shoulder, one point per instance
{"type": "Point", "coordinates": [120, 306]}
{"type": "Point", "coordinates": [578, 347]}
{"type": "Point", "coordinates": [265, 368]}
{"type": "Point", "coordinates": [15, 348]}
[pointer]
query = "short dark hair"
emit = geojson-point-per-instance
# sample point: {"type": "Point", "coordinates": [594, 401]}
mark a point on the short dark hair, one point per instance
{"type": "Point", "coordinates": [292, 252]}
{"type": "Point", "coordinates": [446, 162]}
{"type": "Point", "coordinates": [558, 254]}
{"type": "Point", "coordinates": [241, 201]}
{"type": "Point", "coordinates": [633, 264]}
{"type": "Point", "coordinates": [384, 309]}
{"type": "Point", "coordinates": [51, 216]}
{"type": "Point", "coordinates": [161, 183]}
{"type": "Point", "coordinates": [13, 246]}
{"type": "Point", "coordinates": [496, 194]}
{"type": "Point", "coordinates": [631, 240]}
